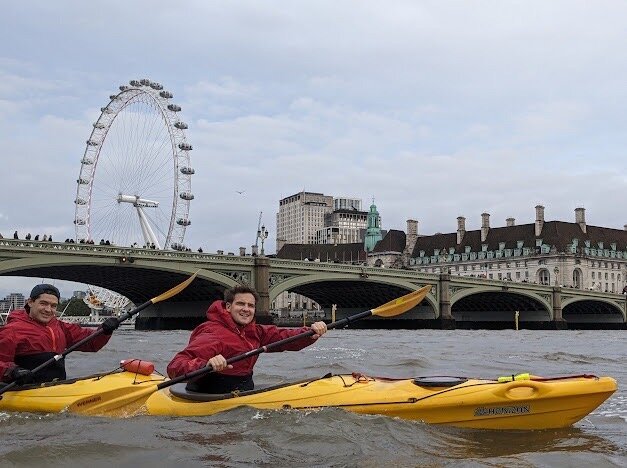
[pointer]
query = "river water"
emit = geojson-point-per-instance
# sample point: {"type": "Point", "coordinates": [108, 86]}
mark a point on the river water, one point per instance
{"type": "Point", "coordinates": [334, 438]}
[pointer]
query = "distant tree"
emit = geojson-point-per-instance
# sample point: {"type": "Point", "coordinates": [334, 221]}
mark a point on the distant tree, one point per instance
{"type": "Point", "coordinates": [75, 307]}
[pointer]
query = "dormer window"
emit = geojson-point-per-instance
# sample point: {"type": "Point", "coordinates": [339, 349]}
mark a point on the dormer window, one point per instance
{"type": "Point", "coordinates": [501, 245]}
{"type": "Point", "coordinates": [519, 244]}
{"type": "Point", "coordinates": [467, 249]}
{"type": "Point", "coordinates": [538, 242]}
{"type": "Point", "coordinates": [600, 245]}
{"type": "Point", "coordinates": [484, 247]}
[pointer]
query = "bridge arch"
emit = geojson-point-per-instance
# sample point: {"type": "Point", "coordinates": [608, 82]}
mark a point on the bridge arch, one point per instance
{"type": "Point", "coordinates": [349, 292]}
{"type": "Point", "coordinates": [139, 282]}
{"type": "Point", "coordinates": [586, 310]}
{"type": "Point", "coordinates": [494, 304]}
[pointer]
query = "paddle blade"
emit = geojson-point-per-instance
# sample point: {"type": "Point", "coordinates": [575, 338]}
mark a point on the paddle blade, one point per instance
{"type": "Point", "coordinates": [121, 402]}
{"type": "Point", "coordinates": [402, 304]}
{"type": "Point", "coordinates": [175, 290]}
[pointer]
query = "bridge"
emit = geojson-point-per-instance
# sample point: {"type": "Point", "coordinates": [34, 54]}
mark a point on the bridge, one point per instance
{"type": "Point", "coordinates": [454, 301]}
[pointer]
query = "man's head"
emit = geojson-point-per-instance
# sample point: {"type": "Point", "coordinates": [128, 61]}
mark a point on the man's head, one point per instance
{"type": "Point", "coordinates": [42, 303]}
{"type": "Point", "coordinates": [240, 303]}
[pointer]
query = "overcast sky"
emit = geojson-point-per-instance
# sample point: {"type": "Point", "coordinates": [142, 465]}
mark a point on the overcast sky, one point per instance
{"type": "Point", "coordinates": [436, 109]}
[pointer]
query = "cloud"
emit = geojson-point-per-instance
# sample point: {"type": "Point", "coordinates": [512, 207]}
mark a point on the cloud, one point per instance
{"type": "Point", "coordinates": [434, 109]}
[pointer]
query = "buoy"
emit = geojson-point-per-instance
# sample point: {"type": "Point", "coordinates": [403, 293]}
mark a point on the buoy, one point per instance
{"type": "Point", "coordinates": [138, 366]}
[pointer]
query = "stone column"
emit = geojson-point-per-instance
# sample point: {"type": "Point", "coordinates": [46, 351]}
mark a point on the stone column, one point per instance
{"type": "Point", "coordinates": [558, 322]}
{"type": "Point", "coordinates": [262, 285]}
{"type": "Point", "coordinates": [447, 321]}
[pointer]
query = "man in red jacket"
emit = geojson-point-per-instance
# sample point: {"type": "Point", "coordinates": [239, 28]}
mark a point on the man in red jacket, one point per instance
{"type": "Point", "coordinates": [230, 330]}
{"type": "Point", "coordinates": [33, 335]}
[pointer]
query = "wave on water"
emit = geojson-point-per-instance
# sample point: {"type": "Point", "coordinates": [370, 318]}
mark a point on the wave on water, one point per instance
{"type": "Point", "coordinates": [575, 358]}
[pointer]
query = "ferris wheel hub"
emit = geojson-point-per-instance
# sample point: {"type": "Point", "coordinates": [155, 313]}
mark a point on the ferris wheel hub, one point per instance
{"type": "Point", "coordinates": [135, 200]}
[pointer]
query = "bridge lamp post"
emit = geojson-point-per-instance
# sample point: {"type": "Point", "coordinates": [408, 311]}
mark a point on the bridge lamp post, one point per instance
{"type": "Point", "coordinates": [262, 234]}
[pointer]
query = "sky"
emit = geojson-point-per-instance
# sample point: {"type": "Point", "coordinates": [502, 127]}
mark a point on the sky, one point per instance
{"type": "Point", "coordinates": [433, 109]}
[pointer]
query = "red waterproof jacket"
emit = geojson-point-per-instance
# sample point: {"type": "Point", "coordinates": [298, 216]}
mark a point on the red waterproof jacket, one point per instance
{"type": "Point", "coordinates": [221, 335]}
{"type": "Point", "coordinates": [22, 338]}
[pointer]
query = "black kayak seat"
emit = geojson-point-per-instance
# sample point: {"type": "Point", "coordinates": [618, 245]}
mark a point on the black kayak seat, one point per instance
{"type": "Point", "coordinates": [439, 381]}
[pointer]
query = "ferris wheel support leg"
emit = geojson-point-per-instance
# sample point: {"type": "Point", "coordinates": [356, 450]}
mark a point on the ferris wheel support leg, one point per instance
{"type": "Point", "coordinates": [149, 235]}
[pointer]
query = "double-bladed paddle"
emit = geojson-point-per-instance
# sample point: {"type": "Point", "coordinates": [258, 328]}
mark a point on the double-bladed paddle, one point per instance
{"type": "Point", "coordinates": [125, 316]}
{"type": "Point", "coordinates": [126, 402]}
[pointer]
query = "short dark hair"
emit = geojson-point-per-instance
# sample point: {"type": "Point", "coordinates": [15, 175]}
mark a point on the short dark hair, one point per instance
{"type": "Point", "coordinates": [229, 294]}
{"type": "Point", "coordinates": [44, 289]}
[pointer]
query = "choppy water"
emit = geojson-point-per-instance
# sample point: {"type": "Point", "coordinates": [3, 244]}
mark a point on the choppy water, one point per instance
{"type": "Point", "coordinates": [247, 437]}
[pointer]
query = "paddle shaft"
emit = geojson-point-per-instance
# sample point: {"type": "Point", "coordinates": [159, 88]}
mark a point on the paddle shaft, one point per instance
{"type": "Point", "coordinates": [263, 349]}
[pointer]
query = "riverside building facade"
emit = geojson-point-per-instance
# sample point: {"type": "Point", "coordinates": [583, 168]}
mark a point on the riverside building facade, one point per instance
{"type": "Point", "coordinates": [556, 253]}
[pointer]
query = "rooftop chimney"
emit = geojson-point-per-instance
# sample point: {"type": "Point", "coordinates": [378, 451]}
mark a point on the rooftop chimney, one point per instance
{"type": "Point", "coordinates": [510, 222]}
{"type": "Point", "coordinates": [625, 226]}
{"type": "Point", "coordinates": [580, 218]}
{"type": "Point", "coordinates": [461, 229]}
{"type": "Point", "coordinates": [412, 235]}
{"type": "Point", "coordinates": [242, 251]}
{"type": "Point", "coordinates": [485, 226]}
{"type": "Point", "coordinates": [539, 219]}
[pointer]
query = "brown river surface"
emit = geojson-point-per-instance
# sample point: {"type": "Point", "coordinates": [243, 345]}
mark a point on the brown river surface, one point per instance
{"type": "Point", "coordinates": [334, 438]}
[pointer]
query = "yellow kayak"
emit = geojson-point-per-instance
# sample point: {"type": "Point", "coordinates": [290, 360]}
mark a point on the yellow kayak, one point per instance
{"type": "Point", "coordinates": [507, 403]}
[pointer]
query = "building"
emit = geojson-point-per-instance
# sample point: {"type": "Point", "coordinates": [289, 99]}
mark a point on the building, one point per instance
{"type": "Point", "coordinates": [11, 302]}
{"type": "Point", "coordinates": [559, 253]}
{"type": "Point", "coordinates": [310, 226]}
{"type": "Point", "coordinates": [300, 216]}
{"type": "Point", "coordinates": [373, 231]}
{"type": "Point", "coordinates": [343, 226]}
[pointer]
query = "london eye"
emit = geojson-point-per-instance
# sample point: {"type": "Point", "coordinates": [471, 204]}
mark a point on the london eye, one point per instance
{"type": "Point", "coordinates": [134, 185]}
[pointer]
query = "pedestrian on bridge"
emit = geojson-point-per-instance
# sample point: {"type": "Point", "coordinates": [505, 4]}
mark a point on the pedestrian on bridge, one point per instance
{"type": "Point", "coordinates": [230, 330]}
{"type": "Point", "coordinates": [34, 335]}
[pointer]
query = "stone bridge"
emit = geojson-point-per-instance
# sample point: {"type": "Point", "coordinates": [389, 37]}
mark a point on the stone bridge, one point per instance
{"type": "Point", "coordinates": [454, 301]}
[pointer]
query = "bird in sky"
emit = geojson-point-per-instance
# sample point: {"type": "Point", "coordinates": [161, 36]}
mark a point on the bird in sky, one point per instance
{"type": "Point", "coordinates": [240, 191]}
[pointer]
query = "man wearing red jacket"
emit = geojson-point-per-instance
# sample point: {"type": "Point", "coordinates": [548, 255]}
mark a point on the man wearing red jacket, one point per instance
{"type": "Point", "coordinates": [230, 330]}
{"type": "Point", "coordinates": [33, 335]}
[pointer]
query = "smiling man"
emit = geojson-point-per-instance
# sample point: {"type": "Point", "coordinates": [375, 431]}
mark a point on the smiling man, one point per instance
{"type": "Point", "coordinates": [33, 335]}
{"type": "Point", "coordinates": [230, 330]}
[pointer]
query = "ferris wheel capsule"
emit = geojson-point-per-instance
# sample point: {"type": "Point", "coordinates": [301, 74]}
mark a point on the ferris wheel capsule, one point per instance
{"type": "Point", "coordinates": [166, 94]}
{"type": "Point", "coordinates": [134, 83]}
{"type": "Point", "coordinates": [174, 107]}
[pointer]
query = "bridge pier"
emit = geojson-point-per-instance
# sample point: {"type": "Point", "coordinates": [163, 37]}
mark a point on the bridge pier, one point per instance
{"type": "Point", "coordinates": [261, 276]}
{"type": "Point", "coordinates": [446, 320]}
{"type": "Point", "coordinates": [558, 321]}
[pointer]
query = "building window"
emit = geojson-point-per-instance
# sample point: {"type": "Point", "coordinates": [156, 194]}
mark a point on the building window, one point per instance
{"type": "Point", "coordinates": [544, 277]}
{"type": "Point", "coordinates": [577, 278]}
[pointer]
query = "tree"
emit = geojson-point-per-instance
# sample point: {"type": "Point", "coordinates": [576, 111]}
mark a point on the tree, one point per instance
{"type": "Point", "coordinates": [74, 307]}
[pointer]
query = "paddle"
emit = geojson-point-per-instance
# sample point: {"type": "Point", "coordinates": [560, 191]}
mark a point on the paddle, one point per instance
{"type": "Point", "coordinates": [125, 316]}
{"type": "Point", "coordinates": [118, 401]}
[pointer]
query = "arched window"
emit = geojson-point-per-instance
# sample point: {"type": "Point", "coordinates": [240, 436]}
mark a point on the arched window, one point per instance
{"type": "Point", "coordinates": [577, 282]}
{"type": "Point", "coordinates": [544, 277]}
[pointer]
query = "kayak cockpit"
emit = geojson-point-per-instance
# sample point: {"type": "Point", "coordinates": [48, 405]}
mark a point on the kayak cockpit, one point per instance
{"type": "Point", "coordinates": [180, 391]}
